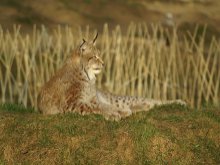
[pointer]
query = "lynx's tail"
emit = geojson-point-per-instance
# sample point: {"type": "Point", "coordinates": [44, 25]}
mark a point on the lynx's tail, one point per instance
{"type": "Point", "coordinates": [132, 104]}
{"type": "Point", "coordinates": [143, 104]}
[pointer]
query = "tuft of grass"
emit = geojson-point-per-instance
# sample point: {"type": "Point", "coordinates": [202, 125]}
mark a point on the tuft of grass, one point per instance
{"type": "Point", "coordinates": [206, 147]}
{"type": "Point", "coordinates": [10, 107]}
{"type": "Point", "coordinates": [45, 140]}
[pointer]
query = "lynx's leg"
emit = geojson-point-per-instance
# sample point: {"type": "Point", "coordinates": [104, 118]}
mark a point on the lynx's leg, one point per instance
{"type": "Point", "coordinates": [107, 111]}
{"type": "Point", "coordinates": [148, 104]}
{"type": "Point", "coordinates": [111, 112]}
{"type": "Point", "coordinates": [111, 105]}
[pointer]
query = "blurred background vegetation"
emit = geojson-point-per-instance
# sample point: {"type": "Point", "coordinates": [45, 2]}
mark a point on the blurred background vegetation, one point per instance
{"type": "Point", "coordinates": [184, 13]}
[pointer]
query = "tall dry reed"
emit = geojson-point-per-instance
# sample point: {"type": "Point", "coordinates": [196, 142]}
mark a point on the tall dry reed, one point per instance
{"type": "Point", "coordinates": [147, 61]}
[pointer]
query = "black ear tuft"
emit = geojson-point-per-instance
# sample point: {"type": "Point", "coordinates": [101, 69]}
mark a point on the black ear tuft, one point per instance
{"type": "Point", "coordinates": [95, 38]}
{"type": "Point", "coordinates": [83, 42]}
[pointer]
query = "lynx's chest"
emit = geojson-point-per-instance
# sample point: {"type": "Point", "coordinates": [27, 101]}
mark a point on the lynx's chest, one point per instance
{"type": "Point", "coordinates": [88, 92]}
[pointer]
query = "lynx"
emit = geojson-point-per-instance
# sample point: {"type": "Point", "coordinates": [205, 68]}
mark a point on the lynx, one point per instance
{"type": "Point", "coordinates": [73, 89]}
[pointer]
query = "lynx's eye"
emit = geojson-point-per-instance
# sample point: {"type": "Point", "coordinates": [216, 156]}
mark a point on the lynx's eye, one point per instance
{"type": "Point", "coordinates": [90, 58]}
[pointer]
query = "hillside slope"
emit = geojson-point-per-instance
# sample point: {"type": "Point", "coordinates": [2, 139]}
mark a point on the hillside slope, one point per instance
{"type": "Point", "coordinates": [166, 135]}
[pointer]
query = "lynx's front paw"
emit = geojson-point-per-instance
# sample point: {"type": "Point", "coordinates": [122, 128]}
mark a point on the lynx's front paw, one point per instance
{"type": "Point", "coordinates": [114, 116]}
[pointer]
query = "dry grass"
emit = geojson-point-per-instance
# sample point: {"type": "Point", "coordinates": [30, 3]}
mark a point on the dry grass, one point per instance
{"type": "Point", "coordinates": [140, 62]}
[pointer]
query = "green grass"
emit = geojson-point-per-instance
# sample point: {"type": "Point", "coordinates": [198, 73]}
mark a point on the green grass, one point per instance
{"type": "Point", "coordinates": [170, 134]}
{"type": "Point", "coordinates": [18, 108]}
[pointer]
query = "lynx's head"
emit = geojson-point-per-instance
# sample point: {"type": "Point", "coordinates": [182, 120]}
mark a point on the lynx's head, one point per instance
{"type": "Point", "coordinates": [88, 57]}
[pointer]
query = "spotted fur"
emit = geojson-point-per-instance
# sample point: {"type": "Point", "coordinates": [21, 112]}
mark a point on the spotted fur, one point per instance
{"type": "Point", "coordinates": [73, 89]}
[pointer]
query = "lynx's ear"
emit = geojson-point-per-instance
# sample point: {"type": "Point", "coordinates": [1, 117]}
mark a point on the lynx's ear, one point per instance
{"type": "Point", "coordinates": [84, 41]}
{"type": "Point", "coordinates": [94, 40]}
{"type": "Point", "coordinates": [82, 47]}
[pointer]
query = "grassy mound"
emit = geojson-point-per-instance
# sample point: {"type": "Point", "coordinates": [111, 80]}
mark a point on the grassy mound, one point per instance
{"type": "Point", "coordinates": [166, 135]}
